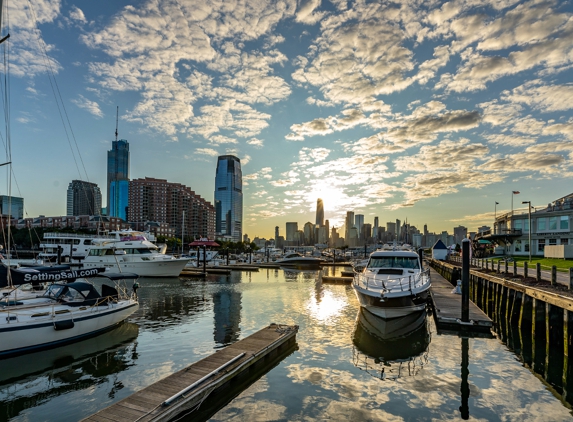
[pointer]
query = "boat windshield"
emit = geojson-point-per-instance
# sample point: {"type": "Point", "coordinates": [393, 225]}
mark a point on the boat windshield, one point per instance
{"type": "Point", "coordinates": [394, 262]}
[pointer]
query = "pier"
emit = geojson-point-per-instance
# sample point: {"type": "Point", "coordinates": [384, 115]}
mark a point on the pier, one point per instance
{"type": "Point", "coordinates": [447, 309]}
{"type": "Point", "coordinates": [183, 391]}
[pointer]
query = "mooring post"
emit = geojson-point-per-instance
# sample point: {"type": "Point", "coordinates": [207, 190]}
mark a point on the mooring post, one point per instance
{"type": "Point", "coordinates": [538, 268]}
{"type": "Point", "coordinates": [421, 255]}
{"type": "Point", "coordinates": [566, 318]}
{"type": "Point", "coordinates": [506, 268]}
{"type": "Point", "coordinates": [498, 266]}
{"type": "Point", "coordinates": [525, 270]}
{"type": "Point", "coordinates": [554, 275]}
{"type": "Point", "coordinates": [465, 280]}
{"type": "Point", "coordinates": [571, 278]}
{"type": "Point", "coordinates": [515, 268]}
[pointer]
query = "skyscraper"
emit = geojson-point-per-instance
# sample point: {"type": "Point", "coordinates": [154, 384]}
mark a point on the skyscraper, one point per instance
{"type": "Point", "coordinates": [118, 179]}
{"type": "Point", "coordinates": [348, 224]}
{"type": "Point", "coordinates": [84, 198]}
{"type": "Point", "coordinates": [359, 223]}
{"type": "Point", "coordinates": [319, 213]}
{"type": "Point", "coordinates": [12, 205]}
{"type": "Point", "coordinates": [229, 198]}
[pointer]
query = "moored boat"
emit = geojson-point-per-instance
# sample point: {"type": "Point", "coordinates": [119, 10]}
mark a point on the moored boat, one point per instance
{"type": "Point", "coordinates": [392, 284]}
{"type": "Point", "coordinates": [297, 260]}
{"type": "Point", "coordinates": [131, 251]}
{"type": "Point", "coordinates": [65, 313]}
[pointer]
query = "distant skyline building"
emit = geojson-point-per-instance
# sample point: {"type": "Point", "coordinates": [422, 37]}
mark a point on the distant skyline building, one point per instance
{"type": "Point", "coordinates": [229, 198]}
{"type": "Point", "coordinates": [348, 224]}
{"type": "Point", "coordinates": [12, 205]}
{"type": "Point", "coordinates": [83, 198]}
{"type": "Point", "coordinates": [359, 224]}
{"type": "Point", "coordinates": [319, 213]}
{"type": "Point", "coordinates": [291, 231]}
{"type": "Point", "coordinates": [460, 233]}
{"type": "Point", "coordinates": [118, 179]}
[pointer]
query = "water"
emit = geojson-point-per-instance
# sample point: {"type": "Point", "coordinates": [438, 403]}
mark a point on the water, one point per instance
{"type": "Point", "coordinates": [341, 371]}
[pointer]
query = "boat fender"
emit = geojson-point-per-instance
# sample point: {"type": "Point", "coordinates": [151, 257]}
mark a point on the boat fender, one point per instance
{"type": "Point", "coordinates": [63, 325]}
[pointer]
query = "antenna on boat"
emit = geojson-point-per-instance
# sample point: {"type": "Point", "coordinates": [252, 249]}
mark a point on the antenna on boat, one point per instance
{"type": "Point", "coordinates": [116, 122]}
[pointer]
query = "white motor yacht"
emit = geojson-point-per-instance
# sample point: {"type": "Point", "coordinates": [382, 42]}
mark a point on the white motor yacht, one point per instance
{"type": "Point", "coordinates": [130, 251]}
{"type": "Point", "coordinates": [393, 284]}
{"type": "Point", "coordinates": [65, 313]}
{"type": "Point", "coordinates": [295, 259]}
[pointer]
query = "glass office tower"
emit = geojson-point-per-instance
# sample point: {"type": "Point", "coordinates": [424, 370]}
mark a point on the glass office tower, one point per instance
{"type": "Point", "coordinates": [118, 179]}
{"type": "Point", "coordinates": [229, 199]}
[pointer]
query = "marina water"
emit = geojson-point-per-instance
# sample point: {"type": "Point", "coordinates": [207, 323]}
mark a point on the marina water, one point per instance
{"type": "Point", "coordinates": [340, 370]}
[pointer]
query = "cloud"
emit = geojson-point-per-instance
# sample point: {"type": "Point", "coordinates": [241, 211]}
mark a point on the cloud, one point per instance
{"type": "Point", "coordinates": [545, 98]}
{"type": "Point", "coordinates": [207, 151]}
{"type": "Point", "coordinates": [91, 106]}
{"type": "Point", "coordinates": [257, 143]}
{"type": "Point", "coordinates": [77, 14]}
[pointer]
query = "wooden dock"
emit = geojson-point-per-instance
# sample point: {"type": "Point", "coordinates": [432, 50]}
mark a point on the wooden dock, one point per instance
{"type": "Point", "coordinates": [183, 391]}
{"type": "Point", "coordinates": [447, 307]}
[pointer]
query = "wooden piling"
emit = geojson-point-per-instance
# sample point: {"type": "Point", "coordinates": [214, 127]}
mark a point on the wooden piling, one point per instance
{"type": "Point", "coordinates": [553, 275]}
{"type": "Point", "coordinates": [538, 270]}
{"type": "Point", "coordinates": [515, 268]}
{"type": "Point", "coordinates": [525, 269]}
{"type": "Point", "coordinates": [539, 337]}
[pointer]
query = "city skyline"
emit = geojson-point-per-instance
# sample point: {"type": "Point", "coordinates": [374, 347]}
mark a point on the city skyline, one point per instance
{"type": "Point", "coordinates": [425, 112]}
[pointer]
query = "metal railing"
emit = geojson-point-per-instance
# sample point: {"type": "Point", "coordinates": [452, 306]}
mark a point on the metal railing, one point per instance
{"type": "Point", "coordinates": [390, 285]}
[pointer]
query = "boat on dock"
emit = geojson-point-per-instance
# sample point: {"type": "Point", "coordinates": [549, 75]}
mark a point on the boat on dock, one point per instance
{"type": "Point", "coordinates": [65, 313]}
{"type": "Point", "coordinates": [297, 260]}
{"type": "Point", "coordinates": [392, 284]}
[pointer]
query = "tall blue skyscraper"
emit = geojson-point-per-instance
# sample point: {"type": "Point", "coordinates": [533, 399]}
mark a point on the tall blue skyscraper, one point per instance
{"type": "Point", "coordinates": [118, 179]}
{"type": "Point", "coordinates": [229, 198]}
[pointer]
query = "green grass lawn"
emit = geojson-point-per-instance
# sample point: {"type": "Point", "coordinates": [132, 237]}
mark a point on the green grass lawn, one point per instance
{"type": "Point", "coordinates": [561, 264]}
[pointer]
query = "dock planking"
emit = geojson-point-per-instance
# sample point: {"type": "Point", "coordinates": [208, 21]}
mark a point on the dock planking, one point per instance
{"type": "Point", "coordinates": [148, 404]}
{"type": "Point", "coordinates": [448, 308]}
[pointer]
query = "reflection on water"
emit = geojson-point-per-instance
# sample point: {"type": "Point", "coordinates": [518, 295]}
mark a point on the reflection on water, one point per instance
{"type": "Point", "coordinates": [30, 380]}
{"type": "Point", "coordinates": [334, 375]}
{"type": "Point", "coordinates": [390, 348]}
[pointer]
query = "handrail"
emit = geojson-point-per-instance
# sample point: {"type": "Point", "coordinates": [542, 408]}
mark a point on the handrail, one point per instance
{"type": "Point", "coordinates": [392, 284]}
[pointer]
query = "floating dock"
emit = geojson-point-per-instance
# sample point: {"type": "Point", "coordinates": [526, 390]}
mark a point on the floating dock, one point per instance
{"type": "Point", "coordinates": [447, 307]}
{"type": "Point", "coordinates": [184, 391]}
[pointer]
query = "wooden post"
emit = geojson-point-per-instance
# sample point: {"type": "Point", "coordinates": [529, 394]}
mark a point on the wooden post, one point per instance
{"type": "Point", "coordinates": [465, 280]}
{"type": "Point", "coordinates": [553, 275]}
{"type": "Point", "coordinates": [538, 268]}
{"type": "Point", "coordinates": [566, 318]}
{"type": "Point", "coordinates": [515, 268]}
{"type": "Point", "coordinates": [525, 270]}
{"type": "Point", "coordinates": [506, 268]}
{"type": "Point", "coordinates": [571, 278]}
{"type": "Point", "coordinates": [498, 266]}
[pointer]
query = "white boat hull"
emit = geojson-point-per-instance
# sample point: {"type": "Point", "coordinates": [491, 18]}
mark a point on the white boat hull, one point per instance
{"type": "Point", "coordinates": [27, 333]}
{"type": "Point", "coordinates": [152, 268]}
{"type": "Point", "coordinates": [392, 307]}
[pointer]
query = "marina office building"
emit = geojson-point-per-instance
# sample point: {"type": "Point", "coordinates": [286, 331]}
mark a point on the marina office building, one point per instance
{"type": "Point", "coordinates": [549, 226]}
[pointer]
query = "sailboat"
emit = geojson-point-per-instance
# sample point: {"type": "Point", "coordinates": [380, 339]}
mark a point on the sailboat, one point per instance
{"type": "Point", "coordinates": [66, 312]}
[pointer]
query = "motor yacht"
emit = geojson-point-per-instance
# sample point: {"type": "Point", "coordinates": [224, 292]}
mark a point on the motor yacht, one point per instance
{"type": "Point", "coordinates": [295, 259]}
{"type": "Point", "coordinates": [131, 251]}
{"type": "Point", "coordinates": [392, 284]}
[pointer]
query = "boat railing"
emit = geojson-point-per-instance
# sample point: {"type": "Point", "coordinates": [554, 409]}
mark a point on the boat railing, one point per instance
{"type": "Point", "coordinates": [397, 284]}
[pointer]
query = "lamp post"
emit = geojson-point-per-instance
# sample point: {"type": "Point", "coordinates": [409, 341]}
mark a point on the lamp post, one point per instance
{"type": "Point", "coordinates": [495, 216]}
{"type": "Point", "coordinates": [529, 208]}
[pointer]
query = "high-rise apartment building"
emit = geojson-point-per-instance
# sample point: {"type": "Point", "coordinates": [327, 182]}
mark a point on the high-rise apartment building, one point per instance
{"type": "Point", "coordinates": [83, 198]}
{"type": "Point", "coordinates": [157, 200]}
{"type": "Point", "coordinates": [118, 179]}
{"type": "Point", "coordinates": [391, 229]}
{"type": "Point", "coordinates": [398, 227]}
{"type": "Point", "coordinates": [229, 198]}
{"type": "Point", "coordinates": [319, 213]}
{"type": "Point", "coordinates": [12, 205]}
{"type": "Point", "coordinates": [460, 233]}
{"type": "Point", "coordinates": [359, 223]}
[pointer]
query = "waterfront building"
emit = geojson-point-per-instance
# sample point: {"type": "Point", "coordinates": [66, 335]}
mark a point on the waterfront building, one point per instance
{"type": "Point", "coordinates": [118, 179]}
{"type": "Point", "coordinates": [417, 240]}
{"type": "Point", "coordinates": [398, 227]}
{"type": "Point", "coordinates": [319, 213]}
{"type": "Point", "coordinates": [229, 198]}
{"type": "Point", "coordinates": [367, 232]}
{"type": "Point", "coordinates": [12, 205]}
{"type": "Point", "coordinates": [83, 198]}
{"type": "Point", "coordinates": [550, 226]}
{"type": "Point", "coordinates": [77, 222]}
{"type": "Point", "coordinates": [322, 235]}
{"type": "Point", "coordinates": [173, 203]}
{"type": "Point", "coordinates": [352, 240]}
{"type": "Point", "coordinates": [483, 229]}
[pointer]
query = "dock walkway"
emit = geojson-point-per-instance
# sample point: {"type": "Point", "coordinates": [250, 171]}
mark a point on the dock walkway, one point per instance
{"type": "Point", "coordinates": [448, 308]}
{"type": "Point", "coordinates": [185, 390]}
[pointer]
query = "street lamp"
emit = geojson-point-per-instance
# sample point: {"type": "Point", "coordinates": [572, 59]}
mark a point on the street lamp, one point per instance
{"type": "Point", "coordinates": [495, 216]}
{"type": "Point", "coordinates": [529, 207]}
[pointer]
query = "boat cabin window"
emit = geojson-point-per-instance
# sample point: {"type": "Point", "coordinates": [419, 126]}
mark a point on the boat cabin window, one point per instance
{"type": "Point", "coordinates": [394, 262]}
{"type": "Point", "coordinates": [71, 295]}
{"type": "Point", "coordinates": [97, 252]}
{"type": "Point", "coordinates": [54, 291]}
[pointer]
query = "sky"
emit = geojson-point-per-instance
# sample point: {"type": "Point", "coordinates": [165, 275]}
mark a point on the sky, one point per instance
{"type": "Point", "coordinates": [420, 110]}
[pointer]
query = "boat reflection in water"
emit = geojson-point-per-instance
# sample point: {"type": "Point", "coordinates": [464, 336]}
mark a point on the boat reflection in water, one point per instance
{"type": "Point", "coordinates": [390, 348]}
{"type": "Point", "coordinates": [29, 380]}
